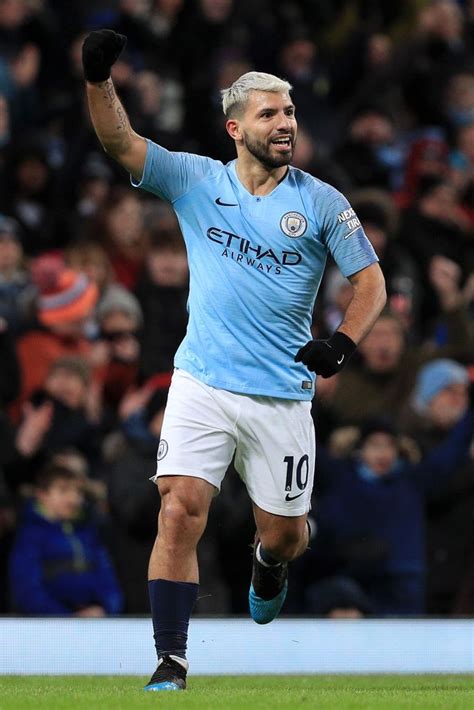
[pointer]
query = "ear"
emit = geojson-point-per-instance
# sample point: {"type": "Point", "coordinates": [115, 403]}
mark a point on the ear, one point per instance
{"type": "Point", "coordinates": [233, 129]}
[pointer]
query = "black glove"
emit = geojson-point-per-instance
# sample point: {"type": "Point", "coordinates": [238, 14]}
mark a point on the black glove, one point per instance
{"type": "Point", "coordinates": [326, 357]}
{"type": "Point", "coordinates": [100, 50]}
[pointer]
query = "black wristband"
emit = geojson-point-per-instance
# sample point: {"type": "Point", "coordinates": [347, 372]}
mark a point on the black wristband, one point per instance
{"type": "Point", "coordinates": [342, 344]}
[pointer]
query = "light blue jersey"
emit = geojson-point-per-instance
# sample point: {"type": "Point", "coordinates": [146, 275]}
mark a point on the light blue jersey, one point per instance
{"type": "Point", "coordinates": [255, 264]}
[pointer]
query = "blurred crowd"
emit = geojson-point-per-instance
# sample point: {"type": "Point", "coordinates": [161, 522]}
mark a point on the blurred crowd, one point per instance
{"type": "Point", "coordinates": [93, 290]}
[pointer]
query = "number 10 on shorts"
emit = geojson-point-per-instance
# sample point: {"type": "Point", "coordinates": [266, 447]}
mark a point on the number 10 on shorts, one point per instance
{"type": "Point", "coordinates": [301, 473]}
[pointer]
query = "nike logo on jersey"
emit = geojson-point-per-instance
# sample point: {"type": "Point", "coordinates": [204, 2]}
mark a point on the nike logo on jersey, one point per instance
{"type": "Point", "coordinates": [225, 204]}
{"type": "Point", "coordinates": [288, 497]}
{"type": "Point", "coordinates": [339, 362]}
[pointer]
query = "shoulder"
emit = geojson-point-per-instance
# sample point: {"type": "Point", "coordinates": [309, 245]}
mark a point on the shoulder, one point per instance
{"type": "Point", "coordinates": [313, 185]}
{"type": "Point", "coordinates": [31, 529]}
{"type": "Point", "coordinates": [158, 153]}
{"type": "Point", "coordinates": [325, 199]}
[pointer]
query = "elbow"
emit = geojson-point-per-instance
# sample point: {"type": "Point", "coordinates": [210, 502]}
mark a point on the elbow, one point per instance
{"type": "Point", "coordinates": [112, 149]}
{"type": "Point", "coordinates": [116, 148]}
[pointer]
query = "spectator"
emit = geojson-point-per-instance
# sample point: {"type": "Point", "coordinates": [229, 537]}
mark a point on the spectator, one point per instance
{"type": "Point", "coordinates": [378, 215]}
{"type": "Point", "coordinates": [312, 156]}
{"type": "Point", "coordinates": [29, 198]}
{"type": "Point", "coordinates": [91, 258]}
{"type": "Point", "coordinates": [162, 292]}
{"type": "Point", "coordinates": [439, 401]}
{"type": "Point", "coordinates": [119, 227]}
{"type": "Point", "coordinates": [95, 489]}
{"type": "Point", "coordinates": [382, 379]}
{"type": "Point", "coordinates": [426, 157]}
{"type": "Point", "coordinates": [58, 566]}
{"type": "Point", "coordinates": [133, 500]}
{"type": "Point", "coordinates": [66, 301]}
{"type": "Point", "coordinates": [370, 520]}
{"type": "Point", "coordinates": [208, 119]}
{"type": "Point", "coordinates": [57, 416]}
{"type": "Point", "coordinates": [93, 193]}
{"type": "Point", "coordinates": [371, 130]}
{"type": "Point", "coordinates": [159, 111]}
{"type": "Point", "coordinates": [435, 225]}
{"type": "Point", "coordinates": [435, 53]}
{"type": "Point", "coordinates": [164, 14]}
{"type": "Point", "coordinates": [449, 296]}
{"type": "Point", "coordinates": [301, 63]}
{"type": "Point", "coordinates": [117, 350]}
{"type": "Point", "coordinates": [17, 292]}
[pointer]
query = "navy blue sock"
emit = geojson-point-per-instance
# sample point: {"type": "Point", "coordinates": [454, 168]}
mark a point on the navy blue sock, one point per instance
{"type": "Point", "coordinates": [171, 606]}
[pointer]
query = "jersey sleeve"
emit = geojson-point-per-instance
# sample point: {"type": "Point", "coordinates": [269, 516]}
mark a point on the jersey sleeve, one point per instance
{"type": "Point", "coordinates": [170, 175]}
{"type": "Point", "coordinates": [344, 236]}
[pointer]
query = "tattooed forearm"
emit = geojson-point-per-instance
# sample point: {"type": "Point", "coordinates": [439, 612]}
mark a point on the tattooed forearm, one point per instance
{"type": "Point", "coordinates": [113, 102]}
{"type": "Point", "coordinates": [113, 128]}
{"type": "Point", "coordinates": [109, 117]}
{"type": "Point", "coordinates": [109, 92]}
{"type": "Point", "coordinates": [122, 117]}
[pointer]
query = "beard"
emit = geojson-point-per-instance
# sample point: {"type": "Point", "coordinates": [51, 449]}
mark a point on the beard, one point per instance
{"type": "Point", "coordinates": [261, 151]}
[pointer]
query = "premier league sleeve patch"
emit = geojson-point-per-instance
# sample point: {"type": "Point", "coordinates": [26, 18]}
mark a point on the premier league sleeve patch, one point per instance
{"type": "Point", "coordinates": [349, 218]}
{"type": "Point", "coordinates": [293, 224]}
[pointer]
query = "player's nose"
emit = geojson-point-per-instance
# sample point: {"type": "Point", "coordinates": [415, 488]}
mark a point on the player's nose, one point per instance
{"type": "Point", "coordinates": [284, 122]}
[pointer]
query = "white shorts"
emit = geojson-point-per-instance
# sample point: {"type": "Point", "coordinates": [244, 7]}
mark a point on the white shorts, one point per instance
{"type": "Point", "coordinates": [273, 441]}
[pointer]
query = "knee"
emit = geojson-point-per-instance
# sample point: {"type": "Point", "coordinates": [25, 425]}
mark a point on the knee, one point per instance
{"type": "Point", "coordinates": [181, 520]}
{"type": "Point", "coordinates": [285, 545]}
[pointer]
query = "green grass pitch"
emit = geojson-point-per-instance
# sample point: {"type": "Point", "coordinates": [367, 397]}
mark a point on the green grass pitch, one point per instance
{"type": "Point", "coordinates": [339, 692]}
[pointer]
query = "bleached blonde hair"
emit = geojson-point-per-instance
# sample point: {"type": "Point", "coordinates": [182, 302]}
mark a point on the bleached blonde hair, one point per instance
{"type": "Point", "coordinates": [235, 97]}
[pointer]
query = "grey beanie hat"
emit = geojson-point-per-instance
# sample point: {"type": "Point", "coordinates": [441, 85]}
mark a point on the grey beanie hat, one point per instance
{"type": "Point", "coordinates": [117, 298]}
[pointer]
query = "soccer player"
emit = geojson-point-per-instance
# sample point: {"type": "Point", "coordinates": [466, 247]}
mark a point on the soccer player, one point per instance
{"type": "Point", "coordinates": [257, 233]}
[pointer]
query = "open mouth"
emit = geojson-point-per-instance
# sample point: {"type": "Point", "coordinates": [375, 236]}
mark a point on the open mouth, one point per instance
{"type": "Point", "coordinates": [283, 143]}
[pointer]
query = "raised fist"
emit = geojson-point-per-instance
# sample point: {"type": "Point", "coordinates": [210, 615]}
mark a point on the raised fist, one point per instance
{"type": "Point", "coordinates": [100, 50]}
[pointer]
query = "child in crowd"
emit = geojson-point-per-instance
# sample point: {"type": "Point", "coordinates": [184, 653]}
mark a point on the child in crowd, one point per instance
{"type": "Point", "coordinates": [58, 565]}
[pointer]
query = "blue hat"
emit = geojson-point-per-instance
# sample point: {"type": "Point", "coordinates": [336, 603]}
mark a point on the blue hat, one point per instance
{"type": "Point", "coordinates": [434, 377]}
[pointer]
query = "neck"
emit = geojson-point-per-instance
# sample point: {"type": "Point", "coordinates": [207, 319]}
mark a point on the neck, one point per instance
{"type": "Point", "coordinates": [255, 177]}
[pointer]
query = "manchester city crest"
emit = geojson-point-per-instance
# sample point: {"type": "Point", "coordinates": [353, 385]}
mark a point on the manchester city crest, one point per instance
{"type": "Point", "coordinates": [293, 224]}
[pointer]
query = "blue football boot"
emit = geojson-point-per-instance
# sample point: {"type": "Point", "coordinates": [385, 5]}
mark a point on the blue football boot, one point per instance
{"type": "Point", "coordinates": [170, 674]}
{"type": "Point", "coordinates": [267, 590]}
